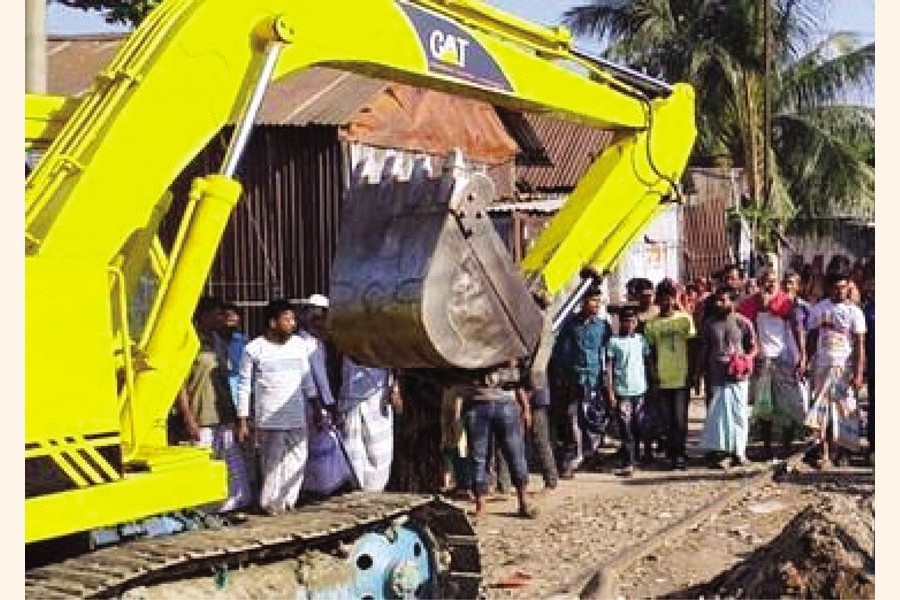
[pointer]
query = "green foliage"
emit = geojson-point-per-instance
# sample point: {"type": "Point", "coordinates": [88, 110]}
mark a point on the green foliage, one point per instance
{"type": "Point", "coordinates": [822, 145]}
{"type": "Point", "coordinates": [124, 12]}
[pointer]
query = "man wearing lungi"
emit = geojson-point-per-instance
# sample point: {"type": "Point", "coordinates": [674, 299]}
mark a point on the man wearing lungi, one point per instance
{"type": "Point", "coordinates": [275, 369]}
{"type": "Point", "coordinates": [837, 337]}
{"type": "Point", "coordinates": [728, 347]}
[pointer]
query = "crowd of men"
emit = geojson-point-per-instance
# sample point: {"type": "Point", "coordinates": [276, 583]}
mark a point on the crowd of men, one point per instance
{"type": "Point", "coordinates": [269, 408]}
{"type": "Point", "coordinates": [766, 351]}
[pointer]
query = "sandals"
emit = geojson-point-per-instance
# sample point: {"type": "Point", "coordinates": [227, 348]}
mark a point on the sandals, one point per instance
{"type": "Point", "coordinates": [528, 512]}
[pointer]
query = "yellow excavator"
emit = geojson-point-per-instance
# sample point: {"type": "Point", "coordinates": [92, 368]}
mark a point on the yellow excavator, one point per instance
{"type": "Point", "coordinates": [417, 262]}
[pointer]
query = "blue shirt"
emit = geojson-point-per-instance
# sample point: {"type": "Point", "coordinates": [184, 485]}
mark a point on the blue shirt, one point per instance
{"type": "Point", "coordinates": [628, 357]}
{"type": "Point", "coordinates": [236, 344]}
{"type": "Point", "coordinates": [581, 348]}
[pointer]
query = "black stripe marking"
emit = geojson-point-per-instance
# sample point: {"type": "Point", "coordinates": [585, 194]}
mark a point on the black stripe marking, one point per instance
{"type": "Point", "coordinates": [32, 446]}
{"type": "Point", "coordinates": [43, 475]}
{"type": "Point", "coordinates": [93, 463]}
{"type": "Point", "coordinates": [113, 455]}
{"type": "Point", "coordinates": [65, 456]}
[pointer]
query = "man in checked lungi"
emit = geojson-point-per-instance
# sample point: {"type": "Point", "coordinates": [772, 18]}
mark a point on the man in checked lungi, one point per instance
{"type": "Point", "coordinates": [837, 338]}
{"type": "Point", "coordinates": [366, 402]}
{"type": "Point", "coordinates": [775, 386]}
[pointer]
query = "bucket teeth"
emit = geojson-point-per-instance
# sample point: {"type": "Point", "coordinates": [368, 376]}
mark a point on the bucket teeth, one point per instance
{"type": "Point", "coordinates": [421, 279]}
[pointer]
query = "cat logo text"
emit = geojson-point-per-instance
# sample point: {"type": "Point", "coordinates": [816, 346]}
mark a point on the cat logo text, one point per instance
{"type": "Point", "coordinates": [448, 48]}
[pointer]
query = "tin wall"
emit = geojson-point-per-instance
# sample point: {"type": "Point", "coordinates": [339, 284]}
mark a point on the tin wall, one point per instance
{"type": "Point", "coordinates": [281, 237]}
{"type": "Point", "coordinates": [655, 254]}
{"type": "Point", "coordinates": [709, 242]}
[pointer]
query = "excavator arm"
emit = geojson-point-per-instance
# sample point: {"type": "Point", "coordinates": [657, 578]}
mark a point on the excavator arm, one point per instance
{"type": "Point", "coordinates": [94, 202]}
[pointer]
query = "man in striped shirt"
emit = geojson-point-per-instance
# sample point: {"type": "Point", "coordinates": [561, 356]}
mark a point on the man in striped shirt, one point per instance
{"type": "Point", "coordinates": [275, 369]}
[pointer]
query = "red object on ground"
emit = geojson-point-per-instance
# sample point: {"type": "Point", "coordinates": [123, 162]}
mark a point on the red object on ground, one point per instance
{"type": "Point", "coordinates": [519, 579]}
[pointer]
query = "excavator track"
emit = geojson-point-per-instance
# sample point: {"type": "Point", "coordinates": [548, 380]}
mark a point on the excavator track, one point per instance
{"type": "Point", "coordinates": [323, 527]}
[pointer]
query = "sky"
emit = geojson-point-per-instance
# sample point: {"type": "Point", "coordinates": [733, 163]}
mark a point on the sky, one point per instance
{"type": "Point", "coordinates": [852, 15]}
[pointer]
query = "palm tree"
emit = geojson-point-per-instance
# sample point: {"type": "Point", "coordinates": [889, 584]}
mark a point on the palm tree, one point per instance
{"type": "Point", "coordinates": [820, 156]}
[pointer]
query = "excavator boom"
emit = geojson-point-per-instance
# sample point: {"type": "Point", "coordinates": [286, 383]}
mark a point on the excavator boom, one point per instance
{"type": "Point", "coordinates": [96, 451]}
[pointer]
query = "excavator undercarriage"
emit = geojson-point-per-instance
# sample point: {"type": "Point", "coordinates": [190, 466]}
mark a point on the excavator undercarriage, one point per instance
{"type": "Point", "coordinates": [355, 546]}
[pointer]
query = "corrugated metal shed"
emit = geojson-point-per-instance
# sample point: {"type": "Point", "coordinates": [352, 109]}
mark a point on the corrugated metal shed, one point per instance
{"type": "Point", "coordinates": [318, 95]}
{"type": "Point", "coordinates": [707, 239]}
{"type": "Point", "coordinates": [73, 61]}
{"type": "Point", "coordinates": [419, 120]}
{"type": "Point", "coordinates": [281, 237]}
{"type": "Point", "coordinates": [568, 150]}
{"type": "Point", "coordinates": [531, 147]}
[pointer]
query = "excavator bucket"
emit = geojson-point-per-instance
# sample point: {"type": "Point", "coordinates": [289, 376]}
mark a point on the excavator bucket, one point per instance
{"type": "Point", "coordinates": [422, 280]}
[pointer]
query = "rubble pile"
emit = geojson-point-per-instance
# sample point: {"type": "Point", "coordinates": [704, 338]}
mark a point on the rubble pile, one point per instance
{"type": "Point", "coordinates": [826, 551]}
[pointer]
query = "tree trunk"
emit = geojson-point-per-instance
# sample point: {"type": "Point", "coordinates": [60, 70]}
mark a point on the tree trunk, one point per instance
{"type": "Point", "coordinates": [753, 150]}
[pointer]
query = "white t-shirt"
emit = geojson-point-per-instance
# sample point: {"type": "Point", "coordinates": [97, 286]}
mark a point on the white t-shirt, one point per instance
{"type": "Point", "coordinates": [837, 324]}
{"type": "Point", "coordinates": [773, 334]}
{"type": "Point", "coordinates": [280, 378]}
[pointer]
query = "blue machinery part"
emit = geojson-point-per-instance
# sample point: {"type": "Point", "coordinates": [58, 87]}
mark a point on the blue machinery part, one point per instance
{"type": "Point", "coordinates": [395, 563]}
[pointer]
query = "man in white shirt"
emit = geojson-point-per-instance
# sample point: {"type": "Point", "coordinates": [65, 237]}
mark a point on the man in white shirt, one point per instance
{"type": "Point", "coordinates": [275, 369]}
{"type": "Point", "coordinates": [837, 334]}
{"type": "Point", "coordinates": [774, 384]}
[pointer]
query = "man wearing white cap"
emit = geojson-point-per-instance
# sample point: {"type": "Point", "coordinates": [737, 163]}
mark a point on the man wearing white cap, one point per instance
{"type": "Point", "coordinates": [327, 468]}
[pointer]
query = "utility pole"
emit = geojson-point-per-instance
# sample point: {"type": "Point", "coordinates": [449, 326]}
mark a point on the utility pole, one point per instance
{"type": "Point", "coordinates": [35, 46]}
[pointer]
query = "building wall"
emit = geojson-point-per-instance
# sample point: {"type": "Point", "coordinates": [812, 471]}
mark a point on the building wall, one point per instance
{"type": "Point", "coordinates": [655, 254]}
{"type": "Point", "coordinates": [281, 237]}
{"type": "Point", "coordinates": [710, 241]}
{"type": "Point", "coordinates": [855, 241]}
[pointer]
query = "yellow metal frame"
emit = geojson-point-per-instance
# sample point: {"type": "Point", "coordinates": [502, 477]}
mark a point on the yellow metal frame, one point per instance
{"type": "Point", "coordinates": [44, 118]}
{"type": "Point", "coordinates": [97, 195]}
{"type": "Point", "coordinates": [175, 479]}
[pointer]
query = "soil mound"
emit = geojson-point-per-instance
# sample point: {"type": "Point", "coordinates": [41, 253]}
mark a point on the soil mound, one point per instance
{"type": "Point", "coordinates": [826, 551]}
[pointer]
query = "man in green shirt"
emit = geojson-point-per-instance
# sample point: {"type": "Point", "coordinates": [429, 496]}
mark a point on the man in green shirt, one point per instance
{"type": "Point", "coordinates": [206, 407]}
{"type": "Point", "coordinates": [667, 335]}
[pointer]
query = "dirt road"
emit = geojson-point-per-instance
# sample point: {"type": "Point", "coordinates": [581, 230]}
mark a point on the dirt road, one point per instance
{"type": "Point", "coordinates": [591, 518]}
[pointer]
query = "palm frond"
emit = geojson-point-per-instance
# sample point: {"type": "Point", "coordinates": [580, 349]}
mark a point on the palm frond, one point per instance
{"type": "Point", "coordinates": [827, 176]}
{"type": "Point", "coordinates": [599, 18]}
{"type": "Point", "coordinates": [796, 25]}
{"type": "Point", "coordinates": [817, 79]}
